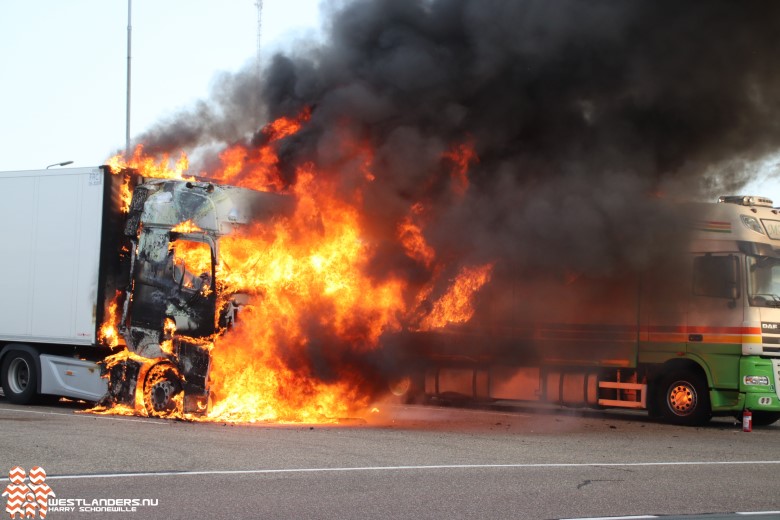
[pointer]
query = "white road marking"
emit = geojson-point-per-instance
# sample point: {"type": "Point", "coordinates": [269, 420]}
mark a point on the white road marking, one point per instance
{"type": "Point", "coordinates": [612, 517]}
{"type": "Point", "coordinates": [751, 513]}
{"type": "Point", "coordinates": [408, 468]}
{"type": "Point", "coordinates": [85, 415]}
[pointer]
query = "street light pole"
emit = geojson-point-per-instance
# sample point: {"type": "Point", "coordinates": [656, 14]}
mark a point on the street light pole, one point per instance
{"type": "Point", "coordinates": [129, 34]}
{"type": "Point", "coordinates": [64, 163]}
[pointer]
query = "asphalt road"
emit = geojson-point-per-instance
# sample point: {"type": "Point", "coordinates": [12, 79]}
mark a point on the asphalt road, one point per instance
{"type": "Point", "coordinates": [403, 462]}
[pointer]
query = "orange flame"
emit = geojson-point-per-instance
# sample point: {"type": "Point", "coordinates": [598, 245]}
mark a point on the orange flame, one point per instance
{"type": "Point", "coordinates": [157, 168]}
{"type": "Point", "coordinates": [412, 239]}
{"type": "Point", "coordinates": [169, 329]}
{"type": "Point", "coordinates": [188, 226]}
{"type": "Point", "coordinates": [305, 268]}
{"type": "Point", "coordinates": [456, 304]}
{"type": "Point", "coordinates": [306, 274]}
{"type": "Point", "coordinates": [108, 334]}
{"type": "Point", "coordinates": [463, 156]}
{"type": "Point", "coordinates": [258, 167]}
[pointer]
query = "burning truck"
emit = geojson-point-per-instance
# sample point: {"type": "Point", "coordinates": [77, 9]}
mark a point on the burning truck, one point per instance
{"type": "Point", "coordinates": [474, 206]}
{"type": "Point", "coordinates": [119, 295]}
{"type": "Point", "coordinates": [97, 260]}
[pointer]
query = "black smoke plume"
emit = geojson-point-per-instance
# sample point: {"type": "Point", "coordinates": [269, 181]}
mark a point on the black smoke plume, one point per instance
{"type": "Point", "coordinates": [582, 114]}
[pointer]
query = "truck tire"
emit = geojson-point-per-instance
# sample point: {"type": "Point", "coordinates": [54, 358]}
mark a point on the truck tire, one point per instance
{"type": "Point", "coordinates": [408, 389]}
{"type": "Point", "coordinates": [161, 385]}
{"type": "Point", "coordinates": [19, 377]}
{"type": "Point", "coordinates": [416, 394]}
{"type": "Point", "coordinates": [683, 398]}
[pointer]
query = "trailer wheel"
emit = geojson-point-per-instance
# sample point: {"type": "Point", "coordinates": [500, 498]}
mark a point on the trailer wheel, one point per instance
{"type": "Point", "coordinates": [19, 377]}
{"type": "Point", "coordinates": [408, 389]}
{"type": "Point", "coordinates": [683, 398]}
{"type": "Point", "coordinates": [161, 386]}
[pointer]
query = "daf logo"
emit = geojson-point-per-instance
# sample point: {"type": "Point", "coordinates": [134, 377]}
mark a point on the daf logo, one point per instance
{"type": "Point", "coordinates": [770, 326]}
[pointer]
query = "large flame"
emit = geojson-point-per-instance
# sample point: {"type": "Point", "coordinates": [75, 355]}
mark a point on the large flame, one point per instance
{"type": "Point", "coordinates": [455, 306]}
{"type": "Point", "coordinates": [314, 301]}
{"type": "Point", "coordinates": [307, 274]}
{"type": "Point", "coordinates": [462, 156]}
{"type": "Point", "coordinates": [108, 333]}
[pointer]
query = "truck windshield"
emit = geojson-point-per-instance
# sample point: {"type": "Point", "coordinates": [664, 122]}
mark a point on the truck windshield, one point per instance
{"type": "Point", "coordinates": [193, 301]}
{"type": "Point", "coordinates": [764, 281]}
{"type": "Point", "coordinates": [192, 264]}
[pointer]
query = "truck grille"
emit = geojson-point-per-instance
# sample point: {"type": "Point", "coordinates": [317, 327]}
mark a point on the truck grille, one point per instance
{"type": "Point", "coordinates": [770, 344]}
{"type": "Point", "coordinates": [772, 351]}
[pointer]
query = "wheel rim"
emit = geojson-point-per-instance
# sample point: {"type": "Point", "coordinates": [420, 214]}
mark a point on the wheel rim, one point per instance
{"type": "Point", "coordinates": [160, 388]}
{"type": "Point", "coordinates": [18, 375]}
{"type": "Point", "coordinates": [682, 398]}
{"type": "Point", "coordinates": [161, 394]}
{"type": "Point", "coordinates": [401, 386]}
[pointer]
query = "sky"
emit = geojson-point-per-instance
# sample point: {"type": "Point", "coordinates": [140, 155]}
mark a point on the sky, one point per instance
{"type": "Point", "coordinates": [64, 67]}
{"type": "Point", "coordinates": [64, 64]}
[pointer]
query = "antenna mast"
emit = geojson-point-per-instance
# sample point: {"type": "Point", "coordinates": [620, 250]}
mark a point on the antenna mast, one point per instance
{"type": "Point", "coordinates": [127, 120]}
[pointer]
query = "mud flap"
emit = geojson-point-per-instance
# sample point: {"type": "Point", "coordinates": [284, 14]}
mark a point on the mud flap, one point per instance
{"type": "Point", "coordinates": [191, 364]}
{"type": "Point", "coordinates": [194, 363]}
{"type": "Point", "coordinates": [122, 383]}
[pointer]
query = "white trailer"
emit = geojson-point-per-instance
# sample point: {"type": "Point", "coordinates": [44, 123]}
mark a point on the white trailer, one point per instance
{"type": "Point", "coordinates": [52, 280]}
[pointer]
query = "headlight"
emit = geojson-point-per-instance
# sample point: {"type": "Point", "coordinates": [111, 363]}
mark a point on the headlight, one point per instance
{"type": "Point", "coordinates": [752, 223]}
{"type": "Point", "coordinates": [756, 380]}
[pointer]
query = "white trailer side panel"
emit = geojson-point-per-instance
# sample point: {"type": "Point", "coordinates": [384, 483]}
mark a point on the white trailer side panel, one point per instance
{"type": "Point", "coordinates": [50, 230]}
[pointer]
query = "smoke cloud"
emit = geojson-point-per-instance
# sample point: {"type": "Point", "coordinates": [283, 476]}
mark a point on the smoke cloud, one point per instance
{"type": "Point", "coordinates": [582, 115]}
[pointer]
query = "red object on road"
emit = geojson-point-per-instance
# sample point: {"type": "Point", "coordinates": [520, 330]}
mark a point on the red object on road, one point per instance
{"type": "Point", "coordinates": [747, 421]}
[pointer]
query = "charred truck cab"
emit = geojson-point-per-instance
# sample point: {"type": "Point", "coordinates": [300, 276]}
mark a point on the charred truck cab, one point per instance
{"type": "Point", "coordinates": [174, 304]}
{"type": "Point", "coordinates": [151, 271]}
{"type": "Point", "coordinates": [702, 340]}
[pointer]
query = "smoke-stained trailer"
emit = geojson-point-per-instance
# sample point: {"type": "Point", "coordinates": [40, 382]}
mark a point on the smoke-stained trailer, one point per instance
{"type": "Point", "coordinates": [693, 336]}
{"type": "Point", "coordinates": [61, 259]}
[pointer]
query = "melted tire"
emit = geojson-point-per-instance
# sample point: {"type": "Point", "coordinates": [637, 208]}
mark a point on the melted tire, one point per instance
{"type": "Point", "coordinates": [161, 386]}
